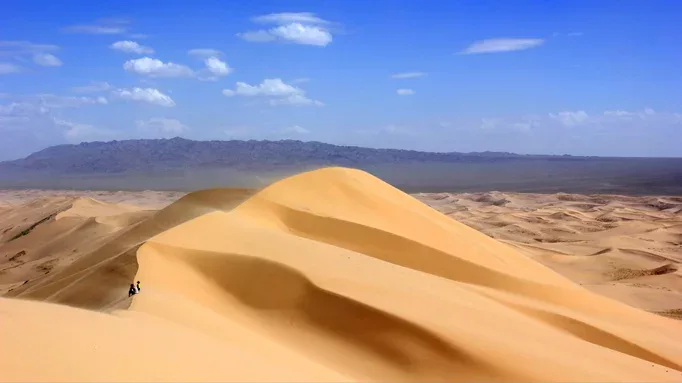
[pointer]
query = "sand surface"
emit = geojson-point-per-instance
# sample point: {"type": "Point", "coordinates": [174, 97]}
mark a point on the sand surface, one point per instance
{"type": "Point", "coordinates": [334, 275]}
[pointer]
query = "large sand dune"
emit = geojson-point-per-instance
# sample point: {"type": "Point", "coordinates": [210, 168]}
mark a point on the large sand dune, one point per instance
{"type": "Point", "coordinates": [330, 275]}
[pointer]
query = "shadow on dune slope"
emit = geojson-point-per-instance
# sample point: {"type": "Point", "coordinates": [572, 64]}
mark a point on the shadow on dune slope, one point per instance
{"type": "Point", "coordinates": [99, 277]}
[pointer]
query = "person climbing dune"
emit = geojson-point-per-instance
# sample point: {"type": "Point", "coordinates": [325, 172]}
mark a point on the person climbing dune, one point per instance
{"type": "Point", "coordinates": [138, 286]}
{"type": "Point", "coordinates": [132, 290]}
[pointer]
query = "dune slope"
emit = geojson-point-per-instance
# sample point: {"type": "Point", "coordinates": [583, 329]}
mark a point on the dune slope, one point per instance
{"type": "Point", "coordinates": [627, 248]}
{"type": "Point", "coordinates": [334, 275]}
{"type": "Point", "coordinates": [82, 252]}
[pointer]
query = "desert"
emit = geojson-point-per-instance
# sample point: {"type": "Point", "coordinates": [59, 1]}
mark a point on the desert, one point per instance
{"type": "Point", "coordinates": [340, 191]}
{"type": "Point", "coordinates": [335, 275]}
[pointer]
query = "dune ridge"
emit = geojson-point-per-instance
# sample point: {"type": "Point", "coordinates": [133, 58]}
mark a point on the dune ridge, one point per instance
{"type": "Point", "coordinates": [329, 275]}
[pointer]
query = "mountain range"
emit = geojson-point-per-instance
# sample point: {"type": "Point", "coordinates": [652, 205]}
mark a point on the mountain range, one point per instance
{"type": "Point", "coordinates": [179, 153]}
{"type": "Point", "coordinates": [187, 165]}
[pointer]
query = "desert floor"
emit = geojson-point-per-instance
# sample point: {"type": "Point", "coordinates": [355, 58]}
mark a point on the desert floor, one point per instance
{"type": "Point", "coordinates": [334, 275]}
{"type": "Point", "coordinates": [626, 248]}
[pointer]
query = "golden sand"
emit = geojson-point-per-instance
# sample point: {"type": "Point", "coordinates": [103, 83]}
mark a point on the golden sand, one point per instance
{"type": "Point", "coordinates": [330, 275]}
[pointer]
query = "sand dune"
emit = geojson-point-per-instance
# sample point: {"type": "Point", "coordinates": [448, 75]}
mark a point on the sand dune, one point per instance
{"type": "Point", "coordinates": [330, 275]}
{"type": "Point", "coordinates": [627, 248]}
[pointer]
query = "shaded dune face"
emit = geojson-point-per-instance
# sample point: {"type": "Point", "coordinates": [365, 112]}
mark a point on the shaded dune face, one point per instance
{"type": "Point", "coordinates": [101, 247]}
{"type": "Point", "coordinates": [334, 275]}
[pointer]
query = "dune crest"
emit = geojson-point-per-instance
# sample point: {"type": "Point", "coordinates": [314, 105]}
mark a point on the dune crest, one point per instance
{"type": "Point", "coordinates": [334, 275]}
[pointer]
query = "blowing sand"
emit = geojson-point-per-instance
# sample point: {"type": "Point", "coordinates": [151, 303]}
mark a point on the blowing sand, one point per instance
{"type": "Point", "coordinates": [334, 275]}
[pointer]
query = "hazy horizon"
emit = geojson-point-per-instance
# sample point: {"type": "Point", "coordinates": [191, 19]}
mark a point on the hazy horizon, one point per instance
{"type": "Point", "coordinates": [368, 147]}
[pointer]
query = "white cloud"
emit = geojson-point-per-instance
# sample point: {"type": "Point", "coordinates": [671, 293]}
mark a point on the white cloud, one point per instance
{"type": "Point", "coordinates": [204, 52]}
{"type": "Point", "coordinates": [296, 129]}
{"type": "Point", "coordinates": [149, 95]}
{"type": "Point", "coordinates": [77, 132]}
{"type": "Point", "coordinates": [285, 94]}
{"type": "Point", "coordinates": [109, 26]}
{"type": "Point", "coordinates": [502, 45]}
{"type": "Point", "coordinates": [8, 68]}
{"type": "Point", "coordinates": [405, 92]}
{"type": "Point", "coordinates": [569, 118]}
{"type": "Point", "coordinates": [16, 109]}
{"type": "Point", "coordinates": [299, 28]}
{"type": "Point", "coordinates": [289, 17]}
{"type": "Point", "coordinates": [295, 100]}
{"type": "Point", "coordinates": [303, 34]}
{"type": "Point", "coordinates": [157, 68]}
{"type": "Point", "coordinates": [46, 59]}
{"type": "Point", "coordinates": [161, 127]}
{"type": "Point", "coordinates": [217, 67]}
{"type": "Point", "coordinates": [24, 47]}
{"type": "Point", "coordinates": [131, 47]}
{"type": "Point", "coordinates": [57, 102]}
{"type": "Point", "coordinates": [93, 87]}
{"type": "Point", "coordinates": [408, 75]}
{"type": "Point", "coordinates": [25, 50]}
{"type": "Point", "coordinates": [269, 87]}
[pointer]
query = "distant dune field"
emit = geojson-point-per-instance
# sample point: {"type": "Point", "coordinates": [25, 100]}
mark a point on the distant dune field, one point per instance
{"type": "Point", "coordinates": [335, 275]}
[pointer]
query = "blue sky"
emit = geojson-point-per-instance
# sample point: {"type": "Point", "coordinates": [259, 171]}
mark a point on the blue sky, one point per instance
{"type": "Point", "coordinates": [577, 77]}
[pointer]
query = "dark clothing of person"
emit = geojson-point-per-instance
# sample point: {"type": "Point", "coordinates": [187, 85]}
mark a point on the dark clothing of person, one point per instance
{"type": "Point", "coordinates": [132, 290]}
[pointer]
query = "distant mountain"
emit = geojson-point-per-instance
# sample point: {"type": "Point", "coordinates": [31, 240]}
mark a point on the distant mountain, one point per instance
{"type": "Point", "coordinates": [180, 153]}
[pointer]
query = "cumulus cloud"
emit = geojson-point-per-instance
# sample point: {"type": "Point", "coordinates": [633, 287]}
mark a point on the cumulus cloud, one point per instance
{"type": "Point", "coordinates": [161, 127]}
{"type": "Point", "coordinates": [282, 93]}
{"type": "Point", "coordinates": [408, 75]}
{"type": "Point", "coordinates": [131, 47]}
{"type": "Point", "coordinates": [501, 45]}
{"type": "Point", "coordinates": [204, 52]}
{"type": "Point", "coordinates": [8, 68]}
{"type": "Point", "coordinates": [156, 68]}
{"type": "Point", "coordinates": [148, 95]}
{"type": "Point", "coordinates": [303, 34]}
{"type": "Point", "coordinates": [405, 92]}
{"type": "Point", "coordinates": [46, 59]}
{"type": "Point", "coordinates": [93, 87]}
{"type": "Point", "coordinates": [217, 67]}
{"type": "Point", "coordinates": [298, 28]}
{"type": "Point", "coordinates": [109, 26]}
{"type": "Point", "coordinates": [269, 87]}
